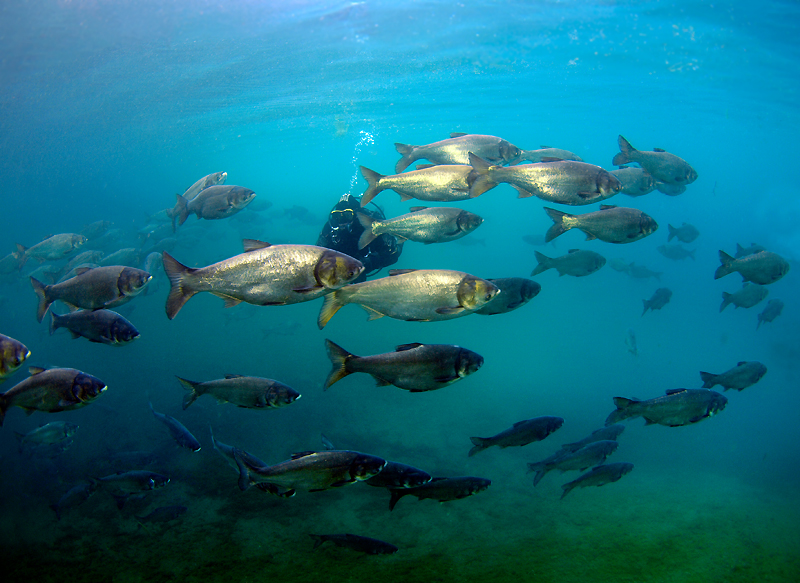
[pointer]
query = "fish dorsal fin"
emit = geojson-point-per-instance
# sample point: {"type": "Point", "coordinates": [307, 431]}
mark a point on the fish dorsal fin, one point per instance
{"type": "Point", "coordinates": [605, 207]}
{"type": "Point", "coordinates": [82, 270]}
{"type": "Point", "coordinates": [300, 454]}
{"type": "Point", "coordinates": [401, 271]}
{"type": "Point", "coordinates": [415, 209]}
{"type": "Point", "coordinates": [675, 391]}
{"type": "Point", "coordinates": [234, 376]}
{"type": "Point", "coordinates": [424, 166]}
{"type": "Point", "coordinates": [573, 250]}
{"type": "Point", "coordinates": [458, 134]}
{"type": "Point", "coordinates": [545, 147]}
{"type": "Point", "coordinates": [253, 244]}
{"type": "Point", "coordinates": [552, 159]}
{"type": "Point", "coordinates": [34, 370]}
{"type": "Point", "coordinates": [659, 150]}
{"type": "Point", "coordinates": [409, 346]}
{"type": "Point", "coordinates": [741, 363]}
{"type": "Point", "coordinates": [518, 423]}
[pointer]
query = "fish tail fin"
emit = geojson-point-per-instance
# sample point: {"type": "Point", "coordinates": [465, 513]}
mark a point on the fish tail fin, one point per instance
{"type": "Point", "coordinates": [622, 404]}
{"type": "Point", "coordinates": [54, 325]}
{"type": "Point", "coordinates": [244, 474]}
{"type": "Point", "coordinates": [193, 393]}
{"type": "Point", "coordinates": [725, 268]}
{"type": "Point", "coordinates": [539, 475]}
{"type": "Point", "coordinates": [672, 232]}
{"type": "Point", "coordinates": [368, 236]}
{"type": "Point", "coordinates": [646, 306]}
{"type": "Point", "coordinates": [558, 227]}
{"type": "Point", "coordinates": [330, 305]}
{"type": "Point", "coordinates": [479, 443]}
{"type": "Point", "coordinates": [406, 152]}
{"type": "Point", "coordinates": [20, 255]}
{"type": "Point", "coordinates": [478, 179]}
{"type": "Point", "coordinates": [55, 508]}
{"type": "Point", "coordinates": [396, 495]}
{"type": "Point", "coordinates": [183, 211]}
{"type": "Point", "coordinates": [373, 180]}
{"type": "Point", "coordinates": [625, 151]}
{"type": "Point", "coordinates": [180, 290]}
{"type": "Point", "coordinates": [726, 299]}
{"type": "Point", "coordinates": [709, 379]}
{"type": "Point", "coordinates": [44, 301]}
{"type": "Point", "coordinates": [544, 263]}
{"type": "Point", "coordinates": [760, 319]}
{"type": "Point", "coordinates": [339, 357]}
{"type": "Point", "coordinates": [318, 540]}
{"type": "Point", "coordinates": [567, 489]}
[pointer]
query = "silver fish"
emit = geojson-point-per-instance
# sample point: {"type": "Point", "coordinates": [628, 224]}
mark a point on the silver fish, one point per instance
{"type": "Point", "coordinates": [577, 263]}
{"type": "Point", "coordinates": [242, 391]}
{"type": "Point", "coordinates": [592, 454]}
{"type": "Point", "coordinates": [456, 150]}
{"type": "Point", "coordinates": [762, 268]}
{"type": "Point", "coordinates": [51, 249]}
{"type": "Point", "coordinates": [612, 224]}
{"type": "Point", "coordinates": [658, 300]}
{"type": "Point", "coordinates": [678, 407]}
{"type": "Point", "coordinates": [521, 433]}
{"type": "Point", "coordinates": [747, 297]}
{"type": "Point", "coordinates": [743, 375]}
{"type": "Point", "coordinates": [422, 225]}
{"type": "Point", "coordinates": [12, 354]}
{"type": "Point", "coordinates": [634, 181]}
{"type": "Point", "coordinates": [661, 165]}
{"type": "Point", "coordinates": [599, 476]}
{"type": "Point", "coordinates": [444, 183]}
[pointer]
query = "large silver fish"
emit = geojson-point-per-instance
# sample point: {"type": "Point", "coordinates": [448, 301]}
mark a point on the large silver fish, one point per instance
{"type": "Point", "coordinates": [456, 150]}
{"type": "Point", "coordinates": [413, 294]}
{"type": "Point", "coordinates": [443, 183]}
{"type": "Point", "coordinates": [102, 326]}
{"type": "Point", "coordinates": [678, 407]}
{"type": "Point", "coordinates": [264, 275]}
{"type": "Point", "coordinates": [422, 225]}
{"type": "Point", "coordinates": [747, 297]}
{"type": "Point", "coordinates": [763, 268]}
{"type": "Point", "coordinates": [51, 249]}
{"type": "Point", "coordinates": [242, 391]}
{"type": "Point", "coordinates": [743, 375]}
{"type": "Point", "coordinates": [577, 263]}
{"type": "Point", "coordinates": [660, 164]}
{"type": "Point", "coordinates": [12, 354]}
{"type": "Point", "coordinates": [519, 434]}
{"type": "Point", "coordinates": [547, 154]}
{"type": "Point", "coordinates": [611, 223]}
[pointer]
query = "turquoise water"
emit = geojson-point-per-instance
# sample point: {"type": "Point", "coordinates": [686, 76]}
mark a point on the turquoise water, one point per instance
{"type": "Point", "coordinates": [109, 109]}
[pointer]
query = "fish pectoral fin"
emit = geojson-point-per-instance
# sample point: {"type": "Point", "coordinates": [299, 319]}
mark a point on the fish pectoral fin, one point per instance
{"type": "Point", "coordinates": [74, 335]}
{"type": "Point", "coordinates": [586, 195]}
{"type": "Point", "coordinates": [307, 289]}
{"type": "Point", "coordinates": [229, 300]}
{"type": "Point", "coordinates": [446, 379]}
{"type": "Point", "coordinates": [649, 421]}
{"type": "Point", "coordinates": [449, 310]}
{"type": "Point", "coordinates": [379, 382]}
{"type": "Point", "coordinates": [659, 150]}
{"type": "Point", "coordinates": [589, 237]}
{"type": "Point", "coordinates": [522, 192]}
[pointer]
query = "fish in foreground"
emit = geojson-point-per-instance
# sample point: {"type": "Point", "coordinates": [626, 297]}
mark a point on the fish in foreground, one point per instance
{"type": "Point", "coordinates": [93, 288]}
{"type": "Point", "coordinates": [215, 202]}
{"type": "Point", "coordinates": [658, 300]}
{"type": "Point", "coordinates": [750, 295]}
{"type": "Point", "coordinates": [163, 514]}
{"type": "Point", "coordinates": [101, 326]}
{"type": "Point", "coordinates": [762, 268]}
{"type": "Point", "coordinates": [686, 233]}
{"type": "Point", "coordinates": [179, 433]}
{"type": "Point", "coordinates": [264, 275]}
{"type": "Point", "coordinates": [678, 407]}
{"type": "Point", "coordinates": [74, 497]}
{"type": "Point", "coordinates": [604, 433]}
{"type": "Point", "coordinates": [51, 249]}
{"type": "Point", "coordinates": [310, 470]}
{"type": "Point", "coordinates": [562, 181]}
{"type": "Point", "coordinates": [743, 375]}
{"type": "Point", "coordinates": [415, 367]}
{"type": "Point", "coordinates": [12, 354]}
{"type": "Point", "coordinates": [445, 183]}
{"type": "Point", "coordinates": [521, 433]}
{"type": "Point", "coordinates": [661, 165]}
{"type": "Point", "coordinates": [457, 149]}
{"type": "Point", "coordinates": [397, 475]}
{"type": "Point", "coordinates": [599, 476]}
{"type": "Point", "coordinates": [577, 263]}
{"type": "Point", "coordinates": [586, 457]}
{"type": "Point", "coordinates": [414, 295]}
{"type": "Point", "coordinates": [49, 434]}
{"type": "Point", "coordinates": [514, 293]}
{"type": "Point", "coordinates": [422, 225]}
{"type": "Point", "coordinates": [362, 544]}
{"type": "Point", "coordinates": [123, 484]}
{"type": "Point", "coordinates": [635, 181]}
{"type": "Point", "coordinates": [242, 391]}
{"type": "Point", "coordinates": [611, 224]}
{"type": "Point", "coordinates": [442, 489]}
{"type": "Point", "coordinates": [51, 391]}
{"type": "Point", "coordinates": [772, 311]}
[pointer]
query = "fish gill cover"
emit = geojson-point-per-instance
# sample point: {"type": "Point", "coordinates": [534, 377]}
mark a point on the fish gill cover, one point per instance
{"type": "Point", "coordinates": [108, 110]}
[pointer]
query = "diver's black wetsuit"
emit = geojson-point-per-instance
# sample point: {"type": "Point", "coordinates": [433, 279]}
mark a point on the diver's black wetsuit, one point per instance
{"type": "Point", "coordinates": [343, 229]}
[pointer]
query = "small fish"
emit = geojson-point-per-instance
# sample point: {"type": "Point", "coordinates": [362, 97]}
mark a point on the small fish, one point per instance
{"type": "Point", "coordinates": [747, 297]}
{"type": "Point", "coordinates": [678, 407]}
{"type": "Point", "coordinates": [599, 476]}
{"type": "Point", "coordinates": [676, 252]}
{"type": "Point", "coordinates": [661, 165]}
{"type": "Point", "coordinates": [635, 181]}
{"type": "Point", "coordinates": [762, 268]}
{"type": "Point", "coordinates": [442, 489]}
{"type": "Point", "coordinates": [604, 433]}
{"type": "Point", "coordinates": [12, 354]}
{"type": "Point", "coordinates": [123, 484]}
{"type": "Point", "coordinates": [362, 544]}
{"type": "Point", "coordinates": [743, 375]}
{"type": "Point", "coordinates": [630, 342]}
{"type": "Point", "coordinates": [74, 497]}
{"type": "Point", "coordinates": [179, 433]}
{"type": "Point", "coordinates": [686, 233]}
{"type": "Point", "coordinates": [242, 391]}
{"type": "Point", "coordinates": [96, 229]}
{"type": "Point", "coordinates": [547, 154]}
{"type": "Point", "coordinates": [772, 311]}
{"type": "Point", "coordinates": [658, 300]}
{"type": "Point", "coordinates": [51, 249]}
{"type": "Point", "coordinates": [592, 454]}
{"type": "Point", "coordinates": [397, 475]}
{"type": "Point", "coordinates": [163, 514]}
{"type": "Point", "coordinates": [745, 251]}
{"type": "Point", "coordinates": [514, 293]}
{"type": "Point", "coordinates": [101, 326]}
{"type": "Point", "coordinates": [577, 263]}
{"type": "Point", "coordinates": [521, 433]}
{"type": "Point", "coordinates": [422, 225]}
{"type": "Point", "coordinates": [642, 272]}
{"type": "Point", "coordinates": [445, 183]}
{"type": "Point", "coordinates": [611, 224]}
{"type": "Point", "coordinates": [92, 289]}
{"type": "Point", "coordinates": [415, 367]}
{"type": "Point", "coordinates": [51, 391]}
{"type": "Point", "coordinates": [457, 149]}
{"type": "Point", "coordinates": [49, 434]}
{"type": "Point", "coordinates": [189, 195]}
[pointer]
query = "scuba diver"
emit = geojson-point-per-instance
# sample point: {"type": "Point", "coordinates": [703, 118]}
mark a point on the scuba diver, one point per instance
{"type": "Point", "coordinates": [343, 229]}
